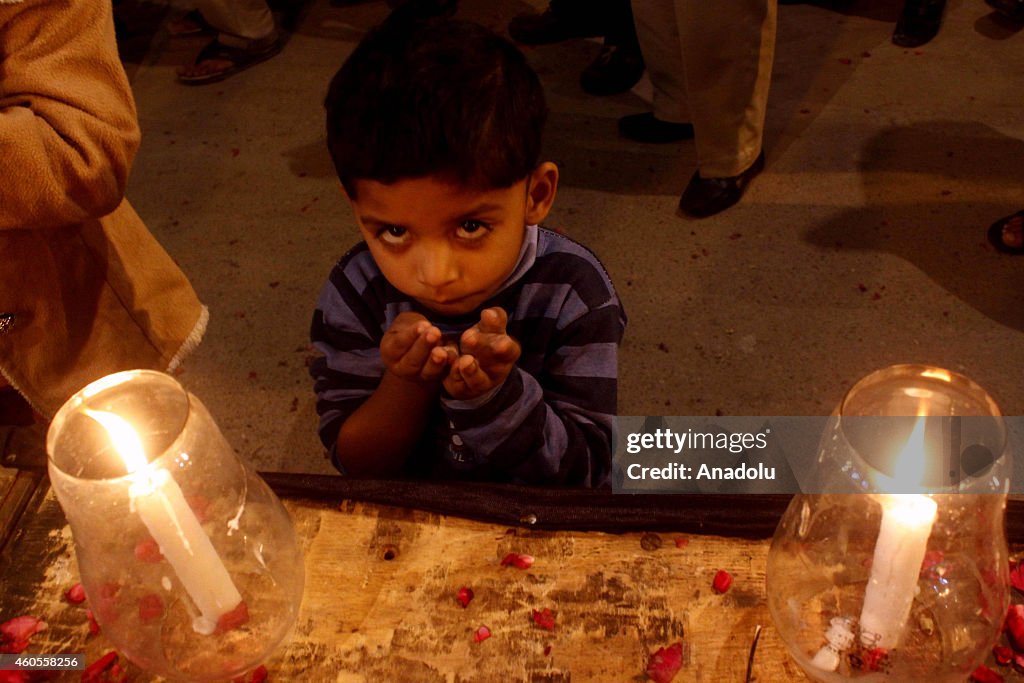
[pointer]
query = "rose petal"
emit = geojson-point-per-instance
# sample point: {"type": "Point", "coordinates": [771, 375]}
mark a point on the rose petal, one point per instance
{"type": "Point", "coordinates": [1018, 663]}
{"type": "Point", "coordinates": [94, 627]}
{"type": "Point", "coordinates": [233, 619]}
{"type": "Point", "coordinates": [464, 596]}
{"type": "Point", "coordinates": [722, 581]}
{"type": "Point", "coordinates": [1003, 655]}
{"type": "Point", "coordinates": [664, 664]}
{"type": "Point", "coordinates": [874, 659]}
{"type": "Point", "coordinates": [148, 551]}
{"type": "Point", "coordinates": [150, 607]}
{"type": "Point", "coordinates": [983, 674]}
{"type": "Point", "coordinates": [8, 676]}
{"type": "Point", "coordinates": [1017, 577]}
{"type": "Point", "coordinates": [544, 618]}
{"type": "Point", "coordinates": [15, 633]}
{"type": "Point", "coordinates": [517, 560]}
{"type": "Point", "coordinates": [200, 506]}
{"type": "Point", "coordinates": [76, 594]}
{"type": "Point", "coordinates": [1014, 626]}
{"type": "Point", "coordinates": [547, 650]}
{"type": "Point", "coordinates": [682, 542]}
{"type": "Point", "coordinates": [481, 634]}
{"type": "Point", "coordinates": [259, 674]}
{"type": "Point", "coordinates": [93, 672]}
{"type": "Point", "coordinates": [932, 559]}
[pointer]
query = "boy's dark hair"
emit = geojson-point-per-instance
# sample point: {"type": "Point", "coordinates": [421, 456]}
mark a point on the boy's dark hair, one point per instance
{"type": "Point", "coordinates": [442, 97]}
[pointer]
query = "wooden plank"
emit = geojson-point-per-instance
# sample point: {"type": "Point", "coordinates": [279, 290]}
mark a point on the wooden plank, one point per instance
{"type": "Point", "coordinates": [380, 600]}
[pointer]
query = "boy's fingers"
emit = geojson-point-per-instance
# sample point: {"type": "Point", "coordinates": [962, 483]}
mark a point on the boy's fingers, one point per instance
{"type": "Point", "coordinates": [413, 359]}
{"type": "Point", "coordinates": [436, 364]}
{"type": "Point", "coordinates": [493, 320]}
{"type": "Point", "coordinates": [475, 379]}
{"type": "Point", "coordinates": [405, 333]}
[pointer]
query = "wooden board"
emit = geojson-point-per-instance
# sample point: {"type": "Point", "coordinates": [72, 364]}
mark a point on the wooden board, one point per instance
{"type": "Point", "coordinates": [380, 600]}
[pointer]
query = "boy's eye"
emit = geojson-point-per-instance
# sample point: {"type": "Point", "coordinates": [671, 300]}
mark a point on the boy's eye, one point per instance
{"type": "Point", "coordinates": [392, 234]}
{"type": "Point", "coordinates": [472, 230]}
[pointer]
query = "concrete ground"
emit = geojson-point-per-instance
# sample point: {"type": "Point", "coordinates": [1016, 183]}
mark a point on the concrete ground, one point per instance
{"type": "Point", "coordinates": [861, 245]}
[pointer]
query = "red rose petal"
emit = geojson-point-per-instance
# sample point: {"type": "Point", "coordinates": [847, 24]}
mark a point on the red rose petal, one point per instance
{"type": "Point", "coordinates": [465, 596]}
{"type": "Point", "coordinates": [259, 674]}
{"type": "Point", "coordinates": [682, 542]}
{"type": "Point", "coordinates": [75, 595]}
{"type": "Point", "coordinates": [1002, 654]}
{"type": "Point", "coordinates": [932, 559]}
{"type": "Point", "coordinates": [94, 627]}
{"type": "Point", "coordinates": [517, 560]}
{"type": "Point", "coordinates": [872, 659]}
{"type": "Point", "coordinates": [1014, 626]}
{"type": "Point", "coordinates": [1017, 576]}
{"type": "Point", "coordinates": [200, 506]}
{"type": "Point", "coordinates": [148, 551]}
{"type": "Point", "coordinates": [547, 650]}
{"type": "Point", "coordinates": [481, 634]}
{"type": "Point", "coordinates": [15, 633]}
{"type": "Point", "coordinates": [150, 607]}
{"type": "Point", "coordinates": [93, 672]}
{"type": "Point", "coordinates": [1018, 663]}
{"type": "Point", "coordinates": [664, 664]}
{"type": "Point", "coordinates": [233, 619]}
{"type": "Point", "coordinates": [544, 618]}
{"type": "Point", "coordinates": [983, 674]}
{"type": "Point", "coordinates": [722, 581]}
{"type": "Point", "coordinates": [8, 676]}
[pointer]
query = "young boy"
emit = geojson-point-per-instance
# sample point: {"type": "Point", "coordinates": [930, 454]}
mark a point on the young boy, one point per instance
{"type": "Point", "coordinates": [459, 339]}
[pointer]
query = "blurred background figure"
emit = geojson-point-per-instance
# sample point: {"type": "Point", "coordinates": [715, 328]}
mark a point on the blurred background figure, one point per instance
{"type": "Point", "coordinates": [710, 65]}
{"type": "Point", "coordinates": [85, 289]}
{"type": "Point", "coordinates": [619, 65]}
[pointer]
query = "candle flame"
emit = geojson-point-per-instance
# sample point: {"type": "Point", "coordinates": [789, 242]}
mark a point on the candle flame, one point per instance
{"type": "Point", "coordinates": [910, 463]}
{"type": "Point", "coordinates": [124, 438]}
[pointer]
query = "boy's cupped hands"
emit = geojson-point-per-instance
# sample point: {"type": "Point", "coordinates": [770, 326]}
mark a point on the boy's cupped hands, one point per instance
{"type": "Point", "coordinates": [412, 348]}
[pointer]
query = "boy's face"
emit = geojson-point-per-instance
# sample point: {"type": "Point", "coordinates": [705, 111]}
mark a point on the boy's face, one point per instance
{"type": "Point", "coordinates": [449, 247]}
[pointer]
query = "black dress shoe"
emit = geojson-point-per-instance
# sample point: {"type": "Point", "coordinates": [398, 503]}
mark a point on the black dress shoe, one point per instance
{"type": "Point", "coordinates": [918, 23]}
{"type": "Point", "coordinates": [705, 197]}
{"type": "Point", "coordinates": [550, 27]}
{"type": "Point", "coordinates": [645, 128]}
{"type": "Point", "coordinates": [615, 70]}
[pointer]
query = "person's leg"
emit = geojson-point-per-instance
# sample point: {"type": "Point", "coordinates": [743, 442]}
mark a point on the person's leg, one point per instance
{"type": "Point", "coordinates": [239, 22]}
{"type": "Point", "coordinates": [561, 20]}
{"type": "Point", "coordinates": [246, 36]}
{"type": "Point", "coordinates": [620, 64]}
{"type": "Point", "coordinates": [728, 48]}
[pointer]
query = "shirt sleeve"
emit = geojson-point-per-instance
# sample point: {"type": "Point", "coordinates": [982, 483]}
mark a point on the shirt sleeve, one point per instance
{"type": "Point", "coordinates": [68, 127]}
{"type": "Point", "coordinates": [350, 368]}
{"type": "Point", "coordinates": [560, 428]}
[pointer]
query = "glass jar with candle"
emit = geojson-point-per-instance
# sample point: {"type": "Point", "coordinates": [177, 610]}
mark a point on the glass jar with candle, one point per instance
{"type": "Point", "coordinates": [190, 562]}
{"type": "Point", "coordinates": [896, 566]}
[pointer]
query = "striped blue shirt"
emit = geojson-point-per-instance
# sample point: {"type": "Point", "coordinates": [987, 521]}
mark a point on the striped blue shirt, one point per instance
{"type": "Point", "coordinates": [550, 422]}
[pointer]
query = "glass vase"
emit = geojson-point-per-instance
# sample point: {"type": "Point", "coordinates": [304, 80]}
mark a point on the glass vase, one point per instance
{"type": "Point", "coordinates": [890, 572]}
{"type": "Point", "coordinates": [189, 561]}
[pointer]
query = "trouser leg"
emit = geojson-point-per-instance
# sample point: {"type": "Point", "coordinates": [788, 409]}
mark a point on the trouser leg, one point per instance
{"type": "Point", "coordinates": [728, 47]}
{"type": "Point", "coordinates": [240, 22]}
{"type": "Point", "coordinates": [657, 29]}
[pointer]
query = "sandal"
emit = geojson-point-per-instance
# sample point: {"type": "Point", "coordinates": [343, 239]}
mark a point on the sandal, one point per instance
{"type": "Point", "coordinates": [217, 61]}
{"type": "Point", "coordinates": [997, 236]}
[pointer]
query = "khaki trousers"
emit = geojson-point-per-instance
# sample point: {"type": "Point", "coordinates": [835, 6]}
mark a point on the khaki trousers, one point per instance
{"type": "Point", "coordinates": [710, 62]}
{"type": "Point", "coordinates": [240, 22]}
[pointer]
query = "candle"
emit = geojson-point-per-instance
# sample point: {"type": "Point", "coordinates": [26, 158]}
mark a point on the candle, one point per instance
{"type": "Point", "coordinates": [160, 504]}
{"type": "Point", "coordinates": [902, 542]}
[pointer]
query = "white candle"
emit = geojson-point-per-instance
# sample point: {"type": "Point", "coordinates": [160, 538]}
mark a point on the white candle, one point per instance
{"type": "Point", "coordinates": [158, 501]}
